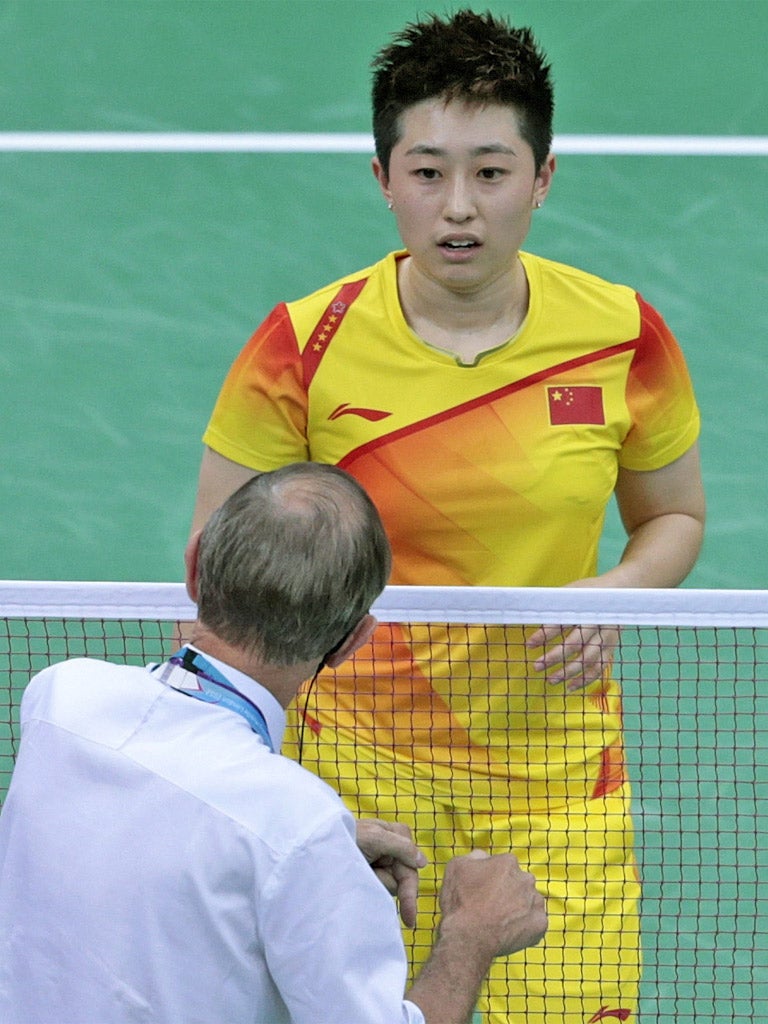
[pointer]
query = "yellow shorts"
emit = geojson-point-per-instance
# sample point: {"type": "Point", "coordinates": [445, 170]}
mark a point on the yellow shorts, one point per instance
{"type": "Point", "coordinates": [588, 967]}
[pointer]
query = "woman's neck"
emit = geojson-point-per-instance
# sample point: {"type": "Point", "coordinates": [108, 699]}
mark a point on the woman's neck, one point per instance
{"type": "Point", "coordinates": [463, 323]}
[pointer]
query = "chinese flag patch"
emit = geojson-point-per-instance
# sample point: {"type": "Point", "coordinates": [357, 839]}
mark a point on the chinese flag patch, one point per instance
{"type": "Point", "coordinates": [576, 404]}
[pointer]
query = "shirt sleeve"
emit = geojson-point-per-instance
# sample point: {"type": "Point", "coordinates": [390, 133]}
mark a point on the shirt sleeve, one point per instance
{"type": "Point", "coordinates": [664, 414]}
{"type": "Point", "coordinates": [332, 935]}
{"type": "Point", "coordinates": [260, 416]}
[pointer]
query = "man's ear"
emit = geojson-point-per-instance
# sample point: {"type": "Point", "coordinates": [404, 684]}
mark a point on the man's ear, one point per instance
{"type": "Point", "coordinates": [354, 640]}
{"type": "Point", "coordinates": [190, 563]}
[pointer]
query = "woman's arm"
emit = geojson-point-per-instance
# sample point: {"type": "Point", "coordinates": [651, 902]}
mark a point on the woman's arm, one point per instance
{"type": "Point", "coordinates": [663, 511]}
{"type": "Point", "coordinates": [219, 477]}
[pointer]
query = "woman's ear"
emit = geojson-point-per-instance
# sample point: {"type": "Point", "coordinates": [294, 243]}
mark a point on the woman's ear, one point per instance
{"type": "Point", "coordinates": [544, 180]}
{"type": "Point", "coordinates": [383, 179]}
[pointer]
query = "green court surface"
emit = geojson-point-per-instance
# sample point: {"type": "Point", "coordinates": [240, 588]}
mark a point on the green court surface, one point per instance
{"type": "Point", "coordinates": [130, 280]}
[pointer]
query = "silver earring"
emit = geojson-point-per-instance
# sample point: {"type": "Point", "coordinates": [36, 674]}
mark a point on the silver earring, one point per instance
{"type": "Point", "coordinates": [538, 204]}
{"type": "Point", "coordinates": [390, 204]}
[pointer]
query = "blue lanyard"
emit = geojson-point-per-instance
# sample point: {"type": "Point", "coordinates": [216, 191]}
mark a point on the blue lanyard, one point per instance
{"type": "Point", "coordinates": [209, 685]}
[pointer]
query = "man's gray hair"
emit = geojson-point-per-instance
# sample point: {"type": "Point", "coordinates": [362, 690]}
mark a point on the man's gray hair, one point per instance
{"type": "Point", "coordinates": [291, 562]}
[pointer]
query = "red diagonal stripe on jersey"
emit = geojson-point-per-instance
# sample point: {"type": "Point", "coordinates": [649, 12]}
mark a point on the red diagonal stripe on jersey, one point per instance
{"type": "Point", "coordinates": [489, 397]}
{"type": "Point", "coordinates": [327, 326]}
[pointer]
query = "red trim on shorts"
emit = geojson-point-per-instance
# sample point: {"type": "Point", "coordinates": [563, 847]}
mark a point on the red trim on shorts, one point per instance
{"type": "Point", "coordinates": [613, 771]}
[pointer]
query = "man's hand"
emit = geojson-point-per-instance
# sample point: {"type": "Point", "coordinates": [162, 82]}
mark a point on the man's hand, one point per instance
{"type": "Point", "coordinates": [490, 907]}
{"type": "Point", "coordinates": [389, 849]}
{"type": "Point", "coordinates": [493, 902]}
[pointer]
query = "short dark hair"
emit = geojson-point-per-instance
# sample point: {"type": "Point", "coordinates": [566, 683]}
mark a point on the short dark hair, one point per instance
{"type": "Point", "coordinates": [476, 58]}
{"type": "Point", "coordinates": [291, 562]}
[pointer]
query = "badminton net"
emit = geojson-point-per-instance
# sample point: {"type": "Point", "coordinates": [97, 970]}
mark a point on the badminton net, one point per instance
{"type": "Point", "coordinates": [693, 667]}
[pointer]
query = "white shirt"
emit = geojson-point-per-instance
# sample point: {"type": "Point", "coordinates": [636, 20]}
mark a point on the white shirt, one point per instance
{"type": "Point", "coordinates": [159, 864]}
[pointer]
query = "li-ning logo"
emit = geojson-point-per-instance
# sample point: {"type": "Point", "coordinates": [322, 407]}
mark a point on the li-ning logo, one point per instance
{"type": "Point", "coordinates": [345, 409]}
{"type": "Point", "coordinates": [604, 1013]}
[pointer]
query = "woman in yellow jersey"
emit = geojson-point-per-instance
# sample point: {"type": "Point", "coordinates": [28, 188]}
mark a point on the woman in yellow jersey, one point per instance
{"type": "Point", "coordinates": [491, 402]}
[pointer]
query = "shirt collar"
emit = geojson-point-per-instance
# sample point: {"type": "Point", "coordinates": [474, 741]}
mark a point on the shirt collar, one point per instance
{"type": "Point", "coordinates": [266, 702]}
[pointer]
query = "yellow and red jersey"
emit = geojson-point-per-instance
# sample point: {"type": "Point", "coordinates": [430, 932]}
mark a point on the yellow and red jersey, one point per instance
{"type": "Point", "coordinates": [496, 474]}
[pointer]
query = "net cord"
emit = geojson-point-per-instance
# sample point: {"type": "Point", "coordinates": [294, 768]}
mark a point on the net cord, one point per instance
{"type": "Point", "coordinates": [480, 605]}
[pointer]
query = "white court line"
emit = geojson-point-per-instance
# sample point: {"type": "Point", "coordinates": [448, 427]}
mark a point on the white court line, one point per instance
{"type": "Point", "coordinates": [358, 142]}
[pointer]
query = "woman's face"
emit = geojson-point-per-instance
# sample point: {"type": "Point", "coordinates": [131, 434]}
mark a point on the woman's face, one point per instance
{"type": "Point", "coordinates": [463, 184]}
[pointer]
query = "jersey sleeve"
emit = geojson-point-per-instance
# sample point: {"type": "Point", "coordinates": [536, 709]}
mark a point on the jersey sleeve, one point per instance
{"type": "Point", "coordinates": [663, 410]}
{"type": "Point", "coordinates": [260, 416]}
